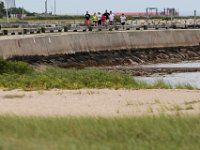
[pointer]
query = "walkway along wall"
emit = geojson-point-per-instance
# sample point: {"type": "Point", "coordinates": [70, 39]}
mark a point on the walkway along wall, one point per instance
{"type": "Point", "coordinates": [70, 43]}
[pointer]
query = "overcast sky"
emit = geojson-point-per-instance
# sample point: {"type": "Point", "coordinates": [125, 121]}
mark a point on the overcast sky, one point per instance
{"type": "Point", "coordinates": [80, 6]}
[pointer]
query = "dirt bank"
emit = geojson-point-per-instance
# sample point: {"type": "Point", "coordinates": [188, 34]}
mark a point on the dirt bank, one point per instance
{"type": "Point", "coordinates": [105, 103]}
{"type": "Point", "coordinates": [117, 57]}
{"type": "Point", "coordinates": [147, 71]}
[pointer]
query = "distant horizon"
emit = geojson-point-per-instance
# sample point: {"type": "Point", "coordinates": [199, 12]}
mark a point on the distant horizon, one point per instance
{"type": "Point", "coordinates": [68, 7]}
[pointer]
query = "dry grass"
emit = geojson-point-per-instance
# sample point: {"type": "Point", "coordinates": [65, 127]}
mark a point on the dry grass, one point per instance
{"type": "Point", "coordinates": [14, 96]}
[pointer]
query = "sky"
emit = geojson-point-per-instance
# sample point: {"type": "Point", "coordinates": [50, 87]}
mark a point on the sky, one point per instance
{"type": "Point", "coordinates": [81, 6]}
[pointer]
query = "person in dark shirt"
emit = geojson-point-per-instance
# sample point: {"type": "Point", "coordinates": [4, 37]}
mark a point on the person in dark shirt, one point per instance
{"type": "Point", "coordinates": [87, 18]}
{"type": "Point", "coordinates": [107, 17]}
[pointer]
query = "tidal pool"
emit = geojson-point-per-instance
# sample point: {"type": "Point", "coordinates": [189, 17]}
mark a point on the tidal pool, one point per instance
{"type": "Point", "coordinates": [174, 79]}
{"type": "Point", "coordinates": [192, 78]}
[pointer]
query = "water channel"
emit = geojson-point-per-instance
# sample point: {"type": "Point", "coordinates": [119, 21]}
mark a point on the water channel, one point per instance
{"type": "Point", "coordinates": [192, 78]}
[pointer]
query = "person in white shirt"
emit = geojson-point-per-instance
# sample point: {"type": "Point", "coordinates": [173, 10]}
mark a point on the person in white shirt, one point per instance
{"type": "Point", "coordinates": [123, 20]}
{"type": "Point", "coordinates": [99, 18]}
{"type": "Point", "coordinates": [112, 17]}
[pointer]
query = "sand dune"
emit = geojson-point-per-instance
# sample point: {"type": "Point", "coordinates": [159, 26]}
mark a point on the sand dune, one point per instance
{"type": "Point", "coordinates": [104, 103]}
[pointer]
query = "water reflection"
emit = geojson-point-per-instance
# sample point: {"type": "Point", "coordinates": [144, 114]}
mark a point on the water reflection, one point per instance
{"type": "Point", "coordinates": [192, 78]}
{"type": "Point", "coordinates": [186, 64]}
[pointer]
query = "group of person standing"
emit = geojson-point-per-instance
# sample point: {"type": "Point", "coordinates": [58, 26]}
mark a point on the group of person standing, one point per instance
{"type": "Point", "coordinates": [104, 19]}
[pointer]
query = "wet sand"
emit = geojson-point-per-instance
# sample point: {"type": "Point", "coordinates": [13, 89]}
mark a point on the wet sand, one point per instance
{"type": "Point", "coordinates": [99, 103]}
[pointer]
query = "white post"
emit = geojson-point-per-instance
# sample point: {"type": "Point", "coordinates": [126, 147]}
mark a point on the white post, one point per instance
{"type": "Point", "coordinates": [22, 12]}
{"type": "Point", "coordinates": [195, 14]}
{"type": "Point", "coordinates": [54, 7]}
{"type": "Point", "coordinates": [46, 7]}
{"type": "Point", "coordinates": [8, 20]}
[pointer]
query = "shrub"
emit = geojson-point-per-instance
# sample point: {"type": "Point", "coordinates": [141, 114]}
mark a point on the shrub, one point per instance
{"type": "Point", "coordinates": [14, 67]}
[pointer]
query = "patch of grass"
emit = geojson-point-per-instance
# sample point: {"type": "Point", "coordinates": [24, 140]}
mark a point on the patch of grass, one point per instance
{"type": "Point", "coordinates": [10, 67]}
{"type": "Point", "coordinates": [158, 84]}
{"type": "Point", "coordinates": [192, 102]}
{"type": "Point", "coordinates": [142, 133]}
{"type": "Point", "coordinates": [40, 92]}
{"type": "Point", "coordinates": [189, 107]}
{"type": "Point", "coordinates": [10, 19]}
{"type": "Point", "coordinates": [91, 92]}
{"type": "Point", "coordinates": [163, 108]}
{"type": "Point", "coordinates": [81, 17]}
{"type": "Point", "coordinates": [150, 109]}
{"type": "Point", "coordinates": [161, 84]}
{"type": "Point", "coordinates": [15, 75]}
{"type": "Point", "coordinates": [118, 111]}
{"type": "Point", "coordinates": [11, 28]}
{"type": "Point", "coordinates": [78, 92]}
{"type": "Point", "coordinates": [157, 101]}
{"type": "Point", "coordinates": [13, 96]}
{"type": "Point", "coordinates": [21, 75]}
{"type": "Point", "coordinates": [185, 86]}
{"type": "Point", "coordinates": [129, 103]}
{"type": "Point", "coordinates": [60, 17]}
{"type": "Point", "coordinates": [177, 108]}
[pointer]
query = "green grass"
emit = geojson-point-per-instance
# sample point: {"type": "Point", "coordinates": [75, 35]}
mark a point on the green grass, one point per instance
{"type": "Point", "coordinates": [15, 75]}
{"type": "Point", "coordinates": [61, 17]}
{"type": "Point", "coordinates": [10, 19]}
{"type": "Point", "coordinates": [185, 86]}
{"type": "Point", "coordinates": [47, 18]}
{"type": "Point", "coordinates": [66, 79]}
{"type": "Point", "coordinates": [79, 18]}
{"type": "Point", "coordinates": [9, 67]}
{"type": "Point", "coordinates": [11, 28]}
{"type": "Point", "coordinates": [142, 133]}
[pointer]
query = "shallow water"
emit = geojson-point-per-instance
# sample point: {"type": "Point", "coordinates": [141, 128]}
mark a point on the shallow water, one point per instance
{"type": "Point", "coordinates": [192, 78]}
{"type": "Point", "coordinates": [186, 64]}
{"type": "Point", "coordinates": [177, 78]}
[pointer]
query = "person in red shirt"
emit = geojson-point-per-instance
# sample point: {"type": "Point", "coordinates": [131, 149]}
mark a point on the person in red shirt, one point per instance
{"type": "Point", "coordinates": [103, 20]}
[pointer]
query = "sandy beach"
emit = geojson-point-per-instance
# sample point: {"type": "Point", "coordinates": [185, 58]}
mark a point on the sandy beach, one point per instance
{"type": "Point", "coordinates": [99, 103]}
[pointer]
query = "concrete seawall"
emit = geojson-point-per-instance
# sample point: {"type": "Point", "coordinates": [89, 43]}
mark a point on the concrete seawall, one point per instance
{"type": "Point", "coordinates": [70, 43]}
